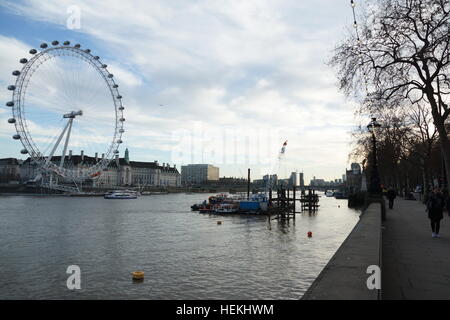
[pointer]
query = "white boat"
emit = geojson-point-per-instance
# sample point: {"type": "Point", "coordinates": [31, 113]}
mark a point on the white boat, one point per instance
{"type": "Point", "coordinates": [118, 194]}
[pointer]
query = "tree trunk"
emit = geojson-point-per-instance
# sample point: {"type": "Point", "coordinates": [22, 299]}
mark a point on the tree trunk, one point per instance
{"type": "Point", "coordinates": [407, 186]}
{"type": "Point", "coordinates": [425, 184]}
{"type": "Point", "coordinates": [445, 148]}
{"type": "Point", "coordinates": [446, 156]}
{"type": "Point", "coordinates": [399, 185]}
{"type": "Point", "coordinates": [439, 122]}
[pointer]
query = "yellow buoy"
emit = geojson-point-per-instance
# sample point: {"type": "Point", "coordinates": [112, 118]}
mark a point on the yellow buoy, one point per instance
{"type": "Point", "coordinates": [138, 275]}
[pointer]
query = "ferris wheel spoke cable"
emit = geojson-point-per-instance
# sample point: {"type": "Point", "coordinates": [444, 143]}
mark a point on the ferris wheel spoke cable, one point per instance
{"type": "Point", "coordinates": [43, 117]}
{"type": "Point", "coordinates": [94, 95]}
{"type": "Point", "coordinates": [44, 83]}
{"type": "Point", "coordinates": [61, 83]}
{"type": "Point", "coordinates": [70, 87]}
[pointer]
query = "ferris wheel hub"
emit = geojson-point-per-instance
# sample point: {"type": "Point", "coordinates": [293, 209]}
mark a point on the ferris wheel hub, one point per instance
{"type": "Point", "coordinates": [73, 114]}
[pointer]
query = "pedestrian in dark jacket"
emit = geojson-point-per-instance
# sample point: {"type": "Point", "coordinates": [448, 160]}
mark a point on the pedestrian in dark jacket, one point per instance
{"type": "Point", "coordinates": [435, 208]}
{"type": "Point", "coordinates": [391, 195]}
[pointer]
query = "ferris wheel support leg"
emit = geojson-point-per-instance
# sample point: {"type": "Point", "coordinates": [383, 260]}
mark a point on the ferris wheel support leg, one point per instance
{"type": "Point", "coordinates": [66, 143]}
{"type": "Point", "coordinates": [57, 143]}
{"type": "Point", "coordinates": [76, 186]}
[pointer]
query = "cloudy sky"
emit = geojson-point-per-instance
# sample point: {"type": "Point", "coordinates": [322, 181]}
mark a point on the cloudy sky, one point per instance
{"type": "Point", "coordinates": [223, 82]}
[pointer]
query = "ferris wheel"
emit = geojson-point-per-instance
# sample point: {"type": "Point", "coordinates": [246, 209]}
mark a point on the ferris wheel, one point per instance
{"type": "Point", "coordinates": [65, 99]}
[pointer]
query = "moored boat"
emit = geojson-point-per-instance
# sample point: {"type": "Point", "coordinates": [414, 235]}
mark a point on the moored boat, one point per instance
{"type": "Point", "coordinates": [206, 209]}
{"type": "Point", "coordinates": [340, 195]}
{"type": "Point", "coordinates": [118, 194]}
{"type": "Point", "coordinates": [224, 204]}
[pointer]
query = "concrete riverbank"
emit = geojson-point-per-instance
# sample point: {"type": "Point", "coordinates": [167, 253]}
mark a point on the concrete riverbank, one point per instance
{"type": "Point", "coordinates": [344, 277]}
{"type": "Point", "coordinates": [10, 188]}
{"type": "Point", "coordinates": [413, 264]}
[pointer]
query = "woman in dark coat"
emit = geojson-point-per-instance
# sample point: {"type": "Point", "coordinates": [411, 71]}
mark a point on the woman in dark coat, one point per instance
{"type": "Point", "coordinates": [435, 208]}
{"type": "Point", "coordinates": [391, 195]}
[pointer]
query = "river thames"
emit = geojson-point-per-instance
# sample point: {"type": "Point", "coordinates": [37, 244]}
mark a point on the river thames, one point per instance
{"type": "Point", "coordinates": [184, 254]}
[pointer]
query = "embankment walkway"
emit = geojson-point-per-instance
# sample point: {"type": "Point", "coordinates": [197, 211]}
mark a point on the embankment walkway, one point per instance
{"type": "Point", "coordinates": [414, 265]}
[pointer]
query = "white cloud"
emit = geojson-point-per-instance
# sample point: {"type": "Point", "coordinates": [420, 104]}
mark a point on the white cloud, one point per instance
{"type": "Point", "coordinates": [125, 77]}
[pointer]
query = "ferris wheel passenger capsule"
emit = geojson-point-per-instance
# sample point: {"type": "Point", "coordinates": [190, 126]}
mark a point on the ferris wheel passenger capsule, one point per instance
{"type": "Point", "coordinates": [122, 119]}
{"type": "Point", "coordinates": [121, 108]}
{"type": "Point", "coordinates": [16, 137]}
{"type": "Point", "coordinates": [96, 57]}
{"type": "Point", "coordinates": [77, 45]}
{"type": "Point", "coordinates": [11, 120]}
{"type": "Point", "coordinates": [10, 104]}
{"type": "Point", "coordinates": [87, 50]}
{"type": "Point", "coordinates": [33, 51]}
{"type": "Point", "coordinates": [119, 141]}
{"type": "Point", "coordinates": [24, 151]}
{"type": "Point", "coordinates": [121, 130]}
{"type": "Point", "coordinates": [16, 73]}
{"type": "Point", "coordinates": [110, 75]}
{"type": "Point", "coordinates": [104, 65]}
{"type": "Point", "coordinates": [44, 45]}
{"type": "Point", "coordinates": [23, 60]}
{"type": "Point", "coordinates": [119, 97]}
{"type": "Point", "coordinates": [66, 43]}
{"type": "Point", "coordinates": [115, 85]}
{"type": "Point", "coordinates": [55, 43]}
{"type": "Point", "coordinates": [12, 87]}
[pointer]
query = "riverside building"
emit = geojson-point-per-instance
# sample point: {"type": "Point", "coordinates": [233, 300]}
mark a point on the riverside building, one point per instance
{"type": "Point", "coordinates": [119, 172]}
{"type": "Point", "coordinates": [199, 173]}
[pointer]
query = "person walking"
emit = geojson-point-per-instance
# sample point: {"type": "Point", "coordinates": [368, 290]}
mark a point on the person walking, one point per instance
{"type": "Point", "coordinates": [435, 208]}
{"type": "Point", "coordinates": [391, 195]}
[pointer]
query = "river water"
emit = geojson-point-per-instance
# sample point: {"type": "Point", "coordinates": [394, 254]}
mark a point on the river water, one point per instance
{"type": "Point", "coordinates": [184, 254]}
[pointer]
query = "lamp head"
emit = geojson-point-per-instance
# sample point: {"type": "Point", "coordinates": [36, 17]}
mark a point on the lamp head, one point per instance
{"type": "Point", "coordinates": [373, 126]}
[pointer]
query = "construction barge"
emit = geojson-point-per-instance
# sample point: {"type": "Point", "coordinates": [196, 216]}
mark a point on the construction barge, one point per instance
{"type": "Point", "coordinates": [284, 205]}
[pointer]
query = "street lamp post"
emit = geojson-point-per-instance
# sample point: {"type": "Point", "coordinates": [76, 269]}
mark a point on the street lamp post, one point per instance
{"type": "Point", "coordinates": [375, 182]}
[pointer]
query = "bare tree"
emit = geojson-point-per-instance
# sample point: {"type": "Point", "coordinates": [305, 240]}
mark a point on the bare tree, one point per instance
{"type": "Point", "coordinates": [392, 141]}
{"type": "Point", "coordinates": [407, 146]}
{"type": "Point", "coordinates": [403, 53]}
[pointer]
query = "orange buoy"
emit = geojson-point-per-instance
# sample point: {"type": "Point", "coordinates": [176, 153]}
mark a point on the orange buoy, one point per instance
{"type": "Point", "coordinates": [309, 234]}
{"type": "Point", "coordinates": [138, 275]}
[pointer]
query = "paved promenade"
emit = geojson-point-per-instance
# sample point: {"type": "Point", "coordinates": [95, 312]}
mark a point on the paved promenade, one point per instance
{"type": "Point", "coordinates": [414, 265]}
